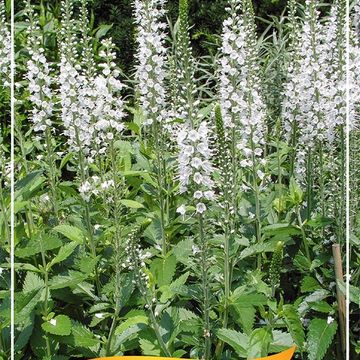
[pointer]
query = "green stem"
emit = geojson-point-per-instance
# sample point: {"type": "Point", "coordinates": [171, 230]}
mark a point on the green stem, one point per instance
{"type": "Point", "coordinates": [46, 300]}
{"type": "Point", "coordinates": [5, 215]}
{"type": "Point", "coordinates": [205, 286]}
{"type": "Point", "coordinates": [118, 222]}
{"type": "Point", "coordinates": [160, 176]}
{"type": "Point", "coordinates": [52, 171]}
{"type": "Point", "coordinates": [83, 177]}
{"type": "Point", "coordinates": [303, 234]}
{"type": "Point", "coordinates": [308, 185]}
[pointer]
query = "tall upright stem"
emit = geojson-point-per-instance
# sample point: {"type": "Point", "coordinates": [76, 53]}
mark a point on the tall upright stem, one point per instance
{"type": "Point", "coordinates": [118, 231]}
{"type": "Point", "coordinates": [83, 177]}
{"type": "Point", "coordinates": [205, 286]}
{"type": "Point", "coordinates": [309, 185]}
{"type": "Point", "coordinates": [52, 171]}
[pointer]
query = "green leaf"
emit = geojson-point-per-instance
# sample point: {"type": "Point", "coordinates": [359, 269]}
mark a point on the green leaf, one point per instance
{"type": "Point", "coordinates": [149, 347]}
{"type": "Point", "coordinates": [269, 246]}
{"type": "Point", "coordinates": [81, 336]}
{"type": "Point", "coordinates": [103, 30]}
{"type": "Point", "coordinates": [63, 281]}
{"type": "Point", "coordinates": [281, 341]}
{"type": "Point", "coordinates": [246, 316]}
{"type": "Point", "coordinates": [48, 242]}
{"type": "Point", "coordinates": [246, 299]}
{"type": "Point", "coordinates": [131, 204]}
{"type": "Point", "coordinates": [259, 343]}
{"type": "Point", "coordinates": [25, 304]}
{"type": "Point", "coordinates": [354, 292]}
{"type": "Point", "coordinates": [71, 232]}
{"type": "Point", "coordinates": [135, 320]}
{"type": "Point", "coordinates": [183, 250]}
{"type": "Point", "coordinates": [63, 253]}
{"type": "Point", "coordinates": [27, 185]}
{"type": "Point", "coordinates": [309, 284]}
{"type": "Point", "coordinates": [320, 337]}
{"type": "Point", "coordinates": [322, 306]}
{"type": "Point", "coordinates": [175, 288]}
{"type": "Point", "coordinates": [163, 270]}
{"type": "Point", "coordinates": [32, 282]}
{"type": "Point", "coordinates": [59, 325]}
{"type": "Point", "coordinates": [236, 340]}
{"type": "Point", "coordinates": [316, 296]}
{"type": "Point", "coordinates": [296, 194]}
{"type": "Point", "coordinates": [294, 325]}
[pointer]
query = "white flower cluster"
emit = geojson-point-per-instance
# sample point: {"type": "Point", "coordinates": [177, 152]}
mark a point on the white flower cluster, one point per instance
{"type": "Point", "coordinates": [183, 99]}
{"type": "Point", "coordinates": [95, 186]}
{"type": "Point", "coordinates": [74, 113]}
{"type": "Point", "coordinates": [195, 167]}
{"type": "Point", "coordinates": [135, 262]}
{"type": "Point", "coordinates": [354, 71]}
{"type": "Point", "coordinates": [92, 106]}
{"type": "Point", "coordinates": [5, 164]}
{"type": "Point", "coordinates": [39, 78]}
{"type": "Point", "coordinates": [306, 98]}
{"type": "Point", "coordinates": [5, 48]}
{"type": "Point", "coordinates": [240, 98]}
{"type": "Point", "coordinates": [105, 102]}
{"type": "Point", "coordinates": [151, 57]}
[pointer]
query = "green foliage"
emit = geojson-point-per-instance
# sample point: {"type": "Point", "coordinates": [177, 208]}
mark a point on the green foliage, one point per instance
{"type": "Point", "coordinates": [123, 271]}
{"type": "Point", "coordinates": [320, 336]}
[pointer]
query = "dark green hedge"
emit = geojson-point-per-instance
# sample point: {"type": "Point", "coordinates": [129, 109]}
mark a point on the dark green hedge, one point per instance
{"type": "Point", "coordinates": [206, 17]}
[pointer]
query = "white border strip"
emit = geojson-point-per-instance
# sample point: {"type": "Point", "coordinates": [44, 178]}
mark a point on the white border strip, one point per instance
{"type": "Point", "coordinates": [347, 171]}
{"type": "Point", "coordinates": [12, 143]}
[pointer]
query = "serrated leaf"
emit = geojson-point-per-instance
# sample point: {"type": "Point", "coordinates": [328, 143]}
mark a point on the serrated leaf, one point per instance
{"type": "Point", "coordinates": [131, 204]}
{"type": "Point", "coordinates": [259, 343]}
{"type": "Point", "coordinates": [103, 30]}
{"type": "Point", "coordinates": [81, 336]}
{"type": "Point", "coordinates": [309, 284]}
{"type": "Point", "coordinates": [59, 325]}
{"type": "Point", "coordinates": [32, 282]}
{"type": "Point", "coordinates": [48, 242]}
{"type": "Point", "coordinates": [246, 299]}
{"type": "Point", "coordinates": [149, 347]}
{"type": "Point", "coordinates": [63, 281]}
{"type": "Point", "coordinates": [281, 341]}
{"type": "Point", "coordinates": [294, 325]}
{"type": "Point", "coordinates": [175, 288]}
{"type": "Point", "coordinates": [25, 304]}
{"type": "Point", "coordinates": [71, 232]}
{"type": "Point", "coordinates": [183, 250]}
{"type": "Point", "coordinates": [269, 246]}
{"type": "Point", "coordinates": [235, 339]}
{"type": "Point", "coordinates": [163, 270]}
{"type": "Point", "coordinates": [316, 296]}
{"type": "Point", "coordinates": [320, 337]}
{"type": "Point", "coordinates": [135, 320]}
{"type": "Point", "coordinates": [246, 316]}
{"type": "Point", "coordinates": [64, 252]}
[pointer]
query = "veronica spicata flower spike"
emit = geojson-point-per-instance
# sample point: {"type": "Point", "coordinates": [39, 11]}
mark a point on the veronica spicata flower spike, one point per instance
{"type": "Point", "coordinates": [5, 48]}
{"type": "Point", "coordinates": [240, 98]}
{"type": "Point", "coordinates": [104, 100]}
{"type": "Point", "coordinates": [38, 77]}
{"type": "Point", "coordinates": [305, 97]}
{"type": "Point", "coordinates": [87, 55]}
{"type": "Point", "coordinates": [183, 99]}
{"type": "Point", "coordinates": [75, 118]}
{"type": "Point", "coordinates": [195, 166]}
{"type": "Point", "coordinates": [151, 57]}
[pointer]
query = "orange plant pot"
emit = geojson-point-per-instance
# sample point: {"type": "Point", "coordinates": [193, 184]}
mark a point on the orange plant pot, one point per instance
{"type": "Point", "coordinates": [285, 355]}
